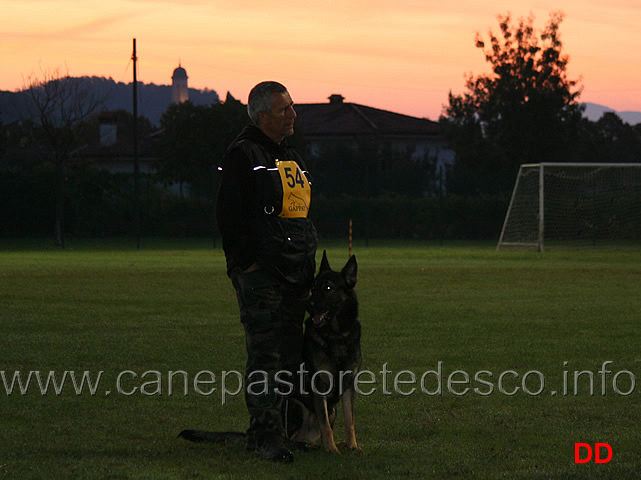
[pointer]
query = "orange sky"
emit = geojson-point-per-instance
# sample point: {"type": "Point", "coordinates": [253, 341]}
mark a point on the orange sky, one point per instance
{"type": "Point", "coordinates": [402, 55]}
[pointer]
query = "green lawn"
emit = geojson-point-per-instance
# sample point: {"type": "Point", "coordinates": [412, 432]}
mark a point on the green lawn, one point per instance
{"type": "Point", "coordinates": [474, 315]}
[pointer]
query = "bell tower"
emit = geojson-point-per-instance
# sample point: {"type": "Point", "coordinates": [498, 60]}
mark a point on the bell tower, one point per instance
{"type": "Point", "coordinates": [179, 89]}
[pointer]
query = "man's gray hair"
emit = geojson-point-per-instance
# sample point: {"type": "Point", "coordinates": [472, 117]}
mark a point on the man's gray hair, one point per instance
{"type": "Point", "coordinates": [260, 98]}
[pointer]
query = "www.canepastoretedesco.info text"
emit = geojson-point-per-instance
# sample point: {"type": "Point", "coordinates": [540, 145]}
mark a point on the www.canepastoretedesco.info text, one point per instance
{"type": "Point", "coordinates": [606, 380]}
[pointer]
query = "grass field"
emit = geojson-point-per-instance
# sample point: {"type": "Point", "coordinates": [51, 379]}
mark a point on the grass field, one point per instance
{"type": "Point", "coordinates": [483, 347]}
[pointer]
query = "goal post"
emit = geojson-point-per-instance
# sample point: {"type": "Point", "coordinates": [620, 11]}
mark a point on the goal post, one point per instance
{"type": "Point", "coordinates": [573, 204]}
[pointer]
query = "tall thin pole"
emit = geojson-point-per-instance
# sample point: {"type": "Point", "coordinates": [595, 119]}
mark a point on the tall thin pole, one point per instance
{"type": "Point", "coordinates": [541, 238]}
{"type": "Point", "coordinates": [136, 166]}
{"type": "Point", "coordinates": [441, 215]}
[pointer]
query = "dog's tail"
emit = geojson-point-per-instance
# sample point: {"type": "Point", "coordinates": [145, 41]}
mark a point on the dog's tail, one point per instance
{"type": "Point", "coordinates": [230, 438]}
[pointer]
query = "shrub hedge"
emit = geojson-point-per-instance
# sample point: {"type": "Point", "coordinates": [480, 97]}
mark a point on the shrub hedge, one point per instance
{"type": "Point", "coordinates": [101, 204]}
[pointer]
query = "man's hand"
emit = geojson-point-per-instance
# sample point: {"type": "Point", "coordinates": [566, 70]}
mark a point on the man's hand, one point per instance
{"type": "Point", "coordinates": [253, 268]}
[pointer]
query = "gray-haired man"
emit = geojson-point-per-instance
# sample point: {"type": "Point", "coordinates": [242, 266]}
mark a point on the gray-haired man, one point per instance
{"type": "Point", "coordinates": [270, 247]}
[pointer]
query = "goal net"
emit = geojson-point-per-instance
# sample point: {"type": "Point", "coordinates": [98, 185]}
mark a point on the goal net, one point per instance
{"type": "Point", "coordinates": [573, 204]}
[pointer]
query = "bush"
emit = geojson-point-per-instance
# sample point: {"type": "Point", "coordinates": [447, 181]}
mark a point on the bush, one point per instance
{"type": "Point", "coordinates": [396, 216]}
{"type": "Point", "coordinates": [100, 204]}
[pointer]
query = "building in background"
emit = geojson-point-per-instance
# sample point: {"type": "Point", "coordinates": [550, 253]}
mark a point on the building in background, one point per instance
{"type": "Point", "coordinates": [179, 89]}
{"type": "Point", "coordinates": [388, 136]}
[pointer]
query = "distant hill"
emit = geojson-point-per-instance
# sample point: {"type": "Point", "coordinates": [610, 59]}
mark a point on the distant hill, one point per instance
{"type": "Point", "coordinates": [594, 111]}
{"type": "Point", "coordinates": [153, 99]}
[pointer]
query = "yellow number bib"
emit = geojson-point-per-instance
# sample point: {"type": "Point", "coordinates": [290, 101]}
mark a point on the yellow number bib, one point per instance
{"type": "Point", "coordinates": [297, 193]}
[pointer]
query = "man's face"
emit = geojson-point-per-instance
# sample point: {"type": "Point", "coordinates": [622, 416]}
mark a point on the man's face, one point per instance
{"type": "Point", "coordinates": [279, 122]}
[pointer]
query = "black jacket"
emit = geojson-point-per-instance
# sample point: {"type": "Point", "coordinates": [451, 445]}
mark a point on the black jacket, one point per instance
{"type": "Point", "coordinates": [250, 199]}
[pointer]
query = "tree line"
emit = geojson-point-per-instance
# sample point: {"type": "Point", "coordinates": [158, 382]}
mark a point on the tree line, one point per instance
{"type": "Point", "coordinates": [525, 110]}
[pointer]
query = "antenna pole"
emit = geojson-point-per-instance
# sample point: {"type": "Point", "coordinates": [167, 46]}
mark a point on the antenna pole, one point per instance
{"type": "Point", "coordinates": [135, 140]}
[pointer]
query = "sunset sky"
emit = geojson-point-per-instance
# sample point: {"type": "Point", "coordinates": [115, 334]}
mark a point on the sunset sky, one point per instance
{"type": "Point", "coordinates": [399, 55]}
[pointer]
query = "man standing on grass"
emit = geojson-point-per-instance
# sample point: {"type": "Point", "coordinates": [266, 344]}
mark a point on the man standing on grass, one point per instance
{"type": "Point", "coordinates": [270, 247]}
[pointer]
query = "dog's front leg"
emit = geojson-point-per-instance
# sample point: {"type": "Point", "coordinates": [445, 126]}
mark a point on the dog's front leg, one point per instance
{"type": "Point", "coordinates": [348, 417]}
{"type": "Point", "coordinates": [326, 431]}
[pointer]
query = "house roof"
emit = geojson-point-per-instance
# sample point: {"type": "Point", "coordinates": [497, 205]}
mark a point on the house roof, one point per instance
{"type": "Point", "coordinates": [339, 118]}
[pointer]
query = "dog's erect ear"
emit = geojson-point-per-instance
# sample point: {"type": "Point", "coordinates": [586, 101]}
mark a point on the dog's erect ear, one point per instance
{"type": "Point", "coordinates": [349, 272]}
{"type": "Point", "coordinates": [324, 266]}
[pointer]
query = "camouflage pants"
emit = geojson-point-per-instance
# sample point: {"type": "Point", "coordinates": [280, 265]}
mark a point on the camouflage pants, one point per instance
{"type": "Point", "coordinates": [272, 315]}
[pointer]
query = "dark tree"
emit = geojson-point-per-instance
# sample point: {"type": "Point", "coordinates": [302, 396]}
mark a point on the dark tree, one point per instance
{"type": "Point", "coordinates": [59, 104]}
{"type": "Point", "coordinates": [524, 111]}
{"type": "Point", "coordinates": [610, 139]}
{"type": "Point", "coordinates": [194, 141]}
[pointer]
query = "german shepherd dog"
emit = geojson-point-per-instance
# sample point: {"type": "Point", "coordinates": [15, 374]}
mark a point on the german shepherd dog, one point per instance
{"type": "Point", "coordinates": [332, 358]}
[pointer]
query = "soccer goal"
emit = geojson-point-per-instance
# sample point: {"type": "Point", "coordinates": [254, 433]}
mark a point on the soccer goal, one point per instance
{"type": "Point", "coordinates": [573, 204]}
